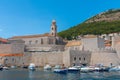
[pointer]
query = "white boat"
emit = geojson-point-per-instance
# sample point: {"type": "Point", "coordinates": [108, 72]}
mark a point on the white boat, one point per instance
{"type": "Point", "coordinates": [13, 67]}
{"type": "Point", "coordinates": [47, 67]}
{"type": "Point", "coordinates": [60, 70]}
{"type": "Point", "coordinates": [87, 69]}
{"type": "Point", "coordinates": [31, 67]}
{"type": "Point", "coordinates": [57, 67]}
{"type": "Point", "coordinates": [74, 68]}
{"type": "Point", "coordinates": [116, 68]}
{"type": "Point", "coordinates": [5, 68]}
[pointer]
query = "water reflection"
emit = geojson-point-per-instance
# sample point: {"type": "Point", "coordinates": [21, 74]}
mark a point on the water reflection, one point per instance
{"type": "Point", "coordinates": [31, 75]}
{"type": "Point", "coordinates": [50, 75]}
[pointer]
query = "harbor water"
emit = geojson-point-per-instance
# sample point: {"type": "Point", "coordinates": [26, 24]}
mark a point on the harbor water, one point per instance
{"type": "Point", "coordinates": [24, 74]}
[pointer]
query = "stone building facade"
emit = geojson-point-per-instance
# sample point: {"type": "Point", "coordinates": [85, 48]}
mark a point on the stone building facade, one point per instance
{"type": "Point", "coordinates": [51, 49]}
{"type": "Point", "coordinates": [12, 52]}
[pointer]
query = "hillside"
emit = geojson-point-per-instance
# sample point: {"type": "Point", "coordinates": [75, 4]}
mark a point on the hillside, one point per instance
{"type": "Point", "coordinates": [103, 23]}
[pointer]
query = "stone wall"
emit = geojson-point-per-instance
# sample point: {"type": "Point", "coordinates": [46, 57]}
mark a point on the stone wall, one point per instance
{"type": "Point", "coordinates": [5, 48]}
{"type": "Point", "coordinates": [93, 44]}
{"type": "Point", "coordinates": [43, 58]}
{"type": "Point", "coordinates": [105, 58]}
{"type": "Point", "coordinates": [76, 57]}
{"type": "Point", "coordinates": [79, 57]}
{"type": "Point", "coordinates": [43, 48]}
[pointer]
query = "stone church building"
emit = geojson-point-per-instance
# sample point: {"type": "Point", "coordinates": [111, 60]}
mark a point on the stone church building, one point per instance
{"type": "Point", "coordinates": [51, 49]}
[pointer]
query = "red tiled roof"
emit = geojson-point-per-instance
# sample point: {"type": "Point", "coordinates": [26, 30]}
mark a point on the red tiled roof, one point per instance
{"type": "Point", "coordinates": [3, 40]}
{"type": "Point", "coordinates": [31, 36]}
{"type": "Point", "coordinates": [9, 54]}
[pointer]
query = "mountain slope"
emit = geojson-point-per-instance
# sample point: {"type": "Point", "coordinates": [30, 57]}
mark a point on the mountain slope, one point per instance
{"type": "Point", "coordinates": [103, 23]}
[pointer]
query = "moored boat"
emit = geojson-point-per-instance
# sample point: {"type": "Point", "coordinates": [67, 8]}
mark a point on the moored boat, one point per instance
{"type": "Point", "coordinates": [5, 68]}
{"type": "Point", "coordinates": [31, 67]}
{"type": "Point", "coordinates": [74, 68]}
{"type": "Point", "coordinates": [116, 68]}
{"type": "Point", "coordinates": [87, 69]}
{"type": "Point", "coordinates": [60, 70]}
{"type": "Point", "coordinates": [47, 67]}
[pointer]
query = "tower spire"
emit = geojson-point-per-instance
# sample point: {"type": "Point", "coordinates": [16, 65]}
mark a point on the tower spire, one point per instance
{"type": "Point", "coordinates": [53, 28]}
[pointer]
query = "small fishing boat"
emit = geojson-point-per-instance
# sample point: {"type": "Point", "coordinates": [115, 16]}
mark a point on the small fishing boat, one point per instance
{"type": "Point", "coordinates": [5, 68]}
{"type": "Point", "coordinates": [47, 67]}
{"type": "Point", "coordinates": [31, 67]}
{"type": "Point", "coordinates": [13, 67]}
{"type": "Point", "coordinates": [60, 70]}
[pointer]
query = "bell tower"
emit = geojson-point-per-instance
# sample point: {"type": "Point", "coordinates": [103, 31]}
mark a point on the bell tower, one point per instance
{"type": "Point", "coordinates": [53, 28]}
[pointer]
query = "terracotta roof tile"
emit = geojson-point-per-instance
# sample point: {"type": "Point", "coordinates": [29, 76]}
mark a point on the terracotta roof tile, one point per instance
{"type": "Point", "coordinates": [9, 54]}
{"type": "Point", "coordinates": [3, 40]}
{"type": "Point", "coordinates": [31, 36]}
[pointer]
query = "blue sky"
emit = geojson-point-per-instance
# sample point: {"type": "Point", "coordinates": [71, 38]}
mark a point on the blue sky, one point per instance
{"type": "Point", "coordinates": [25, 17]}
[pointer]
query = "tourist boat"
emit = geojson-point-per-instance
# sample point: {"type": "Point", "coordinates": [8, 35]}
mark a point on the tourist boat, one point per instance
{"type": "Point", "coordinates": [31, 67]}
{"type": "Point", "coordinates": [47, 67]}
{"type": "Point", "coordinates": [74, 68]}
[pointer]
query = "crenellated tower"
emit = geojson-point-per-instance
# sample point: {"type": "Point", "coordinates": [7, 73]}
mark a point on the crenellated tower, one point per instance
{"type": "Point", "coordinates": [53, 28]}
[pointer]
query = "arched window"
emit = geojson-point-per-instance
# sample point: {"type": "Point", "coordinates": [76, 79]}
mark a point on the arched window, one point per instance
{"type": "Point", "coordinates": [41, 41]}
{"type": "Point", "coordinates": [74, 58]}
{"type": "Point", "coordinates": [79, 58]}
{"type": "Point", "coordinates": [52, 28]}
{"type": "Point", "coordinates": [84, 58]}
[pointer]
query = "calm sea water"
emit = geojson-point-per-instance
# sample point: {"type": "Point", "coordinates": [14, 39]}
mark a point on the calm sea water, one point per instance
{"type": "Point", "coordinates": [23, 74]}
